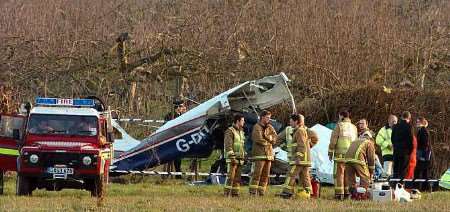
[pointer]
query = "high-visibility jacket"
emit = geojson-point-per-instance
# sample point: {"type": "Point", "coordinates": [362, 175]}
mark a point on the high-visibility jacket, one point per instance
{"type": "Point", "coordinates": [362, 151]}
{"type": "Point", "coordinates": [285, 139]}
{"type": "Point", "coordinates": [384, 140]}
{"type": "Point", "coordinates": [263, 138]}
{"type": "Point", "coordinates": [341, 138]}
{"type": "Point", "coordinates": [234, 145]}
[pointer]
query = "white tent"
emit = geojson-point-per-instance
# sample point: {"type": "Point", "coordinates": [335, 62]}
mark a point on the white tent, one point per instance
{"type": "Point", "coordinates": [319, 154]}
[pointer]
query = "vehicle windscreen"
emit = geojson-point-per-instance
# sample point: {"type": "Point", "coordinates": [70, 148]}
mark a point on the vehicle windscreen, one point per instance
{"type": "Point", "coordinates": [62, 124]}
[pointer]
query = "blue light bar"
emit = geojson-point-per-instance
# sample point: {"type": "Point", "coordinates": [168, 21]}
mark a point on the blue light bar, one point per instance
{"type": "Point", "coordinates": [65, 102]}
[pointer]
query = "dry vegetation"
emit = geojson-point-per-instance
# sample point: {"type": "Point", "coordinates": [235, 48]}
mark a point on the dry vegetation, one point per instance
{"type": "Point", "coordinates": [176, 196]}
{"type": "Point", "coordinates": [328, 48]}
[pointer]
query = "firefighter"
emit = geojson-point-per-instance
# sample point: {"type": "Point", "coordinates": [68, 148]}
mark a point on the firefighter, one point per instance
{"type": "Point", "coordinates": [362, 127]}
{"type": "Point", "coordinates": [234, 155]}
{"type": "Point", "coordinates": [360, 163]}
{"type": "Point", "coordinates": [263, 137]}
{"type": "Point", "coordinates": [300, 159]}
{"type": "Point", "coordinates": [284, 139]}
{"type": "Point", "coordinates": [341, 138]}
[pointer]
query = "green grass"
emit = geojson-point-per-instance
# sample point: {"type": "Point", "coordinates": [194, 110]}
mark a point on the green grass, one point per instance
{"type": "Point", "coordinates": [153, 194]}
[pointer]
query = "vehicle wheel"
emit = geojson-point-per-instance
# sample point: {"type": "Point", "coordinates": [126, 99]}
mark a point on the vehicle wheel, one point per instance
{"type": "Point", "coordinates": [2, 183]}
{"type": "Point", "coordinates": [99, 187]}
{"type": "Point", "coordinates": [23, 185]}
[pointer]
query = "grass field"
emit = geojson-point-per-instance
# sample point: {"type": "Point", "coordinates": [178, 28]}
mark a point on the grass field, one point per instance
{"type": "Point", "coordinates": [175, 195]}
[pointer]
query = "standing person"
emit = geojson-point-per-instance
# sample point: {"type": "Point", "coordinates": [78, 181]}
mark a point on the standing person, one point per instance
{"type": "Point", "coordinates": [423, 149]}
{"type": "Point", "coordinates": [412, 159]}
{"type": "Point", "coordinates": [300, 160]}
{"type": "Point", "coordinates": [383, 140]}
{"type": "Point", "coordinates": [341, 138]}
{"type": "Point", "coordinates": [363, 131]}
{"type": "Point", "coordinates": [234, 155]}
{"type": "Point", "coordinates": [402, 141]}
{"type": "Point", "coordinates": [360, 163]}
{"type": "Point", "coordinates": [284, 138]}
{"type": "Point", "coordinates": [363, 126]}
{"type": "Point", "coordinates": [263, 137]}
{"type": "Point", "coordinates": [179, 109]}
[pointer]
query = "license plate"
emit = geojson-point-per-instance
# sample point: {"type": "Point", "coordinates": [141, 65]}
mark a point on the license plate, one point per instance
{"type": "Point", "coordinates": [56, 170]}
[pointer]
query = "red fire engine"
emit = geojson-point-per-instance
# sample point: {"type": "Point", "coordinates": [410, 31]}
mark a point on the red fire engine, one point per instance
{"type": "Point", "coordinates": [60, 143]}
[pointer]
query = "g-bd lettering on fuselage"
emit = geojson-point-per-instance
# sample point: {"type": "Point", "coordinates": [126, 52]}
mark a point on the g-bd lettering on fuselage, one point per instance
{"type": "Point", "coordinates": [184, 144]}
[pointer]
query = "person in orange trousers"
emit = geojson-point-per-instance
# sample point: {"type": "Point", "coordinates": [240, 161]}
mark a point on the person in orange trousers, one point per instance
{"type": "Point", "coordinates": [412, 160]}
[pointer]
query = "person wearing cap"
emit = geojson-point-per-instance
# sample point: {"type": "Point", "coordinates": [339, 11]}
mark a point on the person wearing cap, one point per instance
{"type": "Point", "coordinates": [179, 109]}
{"type": "Point", "coordinates": [360, 162]}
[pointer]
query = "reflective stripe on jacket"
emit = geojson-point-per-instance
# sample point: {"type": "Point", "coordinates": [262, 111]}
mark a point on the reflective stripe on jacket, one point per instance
{"type": "Point", "coordinates": [341, 138]}
{"type": "Point", "coordinates": [289, 131]}
{"type": "Point", "coordinates": [234, 144]}
{"type": "Point", "coordinates": [361, 151]}
{"type": "Point", "coordinates": [263, 138]}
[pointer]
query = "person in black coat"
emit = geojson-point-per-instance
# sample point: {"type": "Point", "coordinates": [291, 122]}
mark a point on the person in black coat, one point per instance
{"type": "Point", "coordinates": [179, 109]}
{"type": "Point", "coordinates": [423, 149]}
{"type": "Point", "coordinates": [402, 142]}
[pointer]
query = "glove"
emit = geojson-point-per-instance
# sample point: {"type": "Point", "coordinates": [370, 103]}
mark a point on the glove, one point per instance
{"type": "Point", "coordinates": [330, 156]}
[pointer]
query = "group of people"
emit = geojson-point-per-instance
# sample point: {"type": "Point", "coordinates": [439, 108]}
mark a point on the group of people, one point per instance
{"type": "Point", "coordinates": [405, 154]}
{"type": "Point", "coordinates": [297, 138]}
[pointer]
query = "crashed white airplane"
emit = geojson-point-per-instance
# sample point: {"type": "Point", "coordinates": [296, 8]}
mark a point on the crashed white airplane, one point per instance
{"type": "Point", "coordinates": [197, 132]}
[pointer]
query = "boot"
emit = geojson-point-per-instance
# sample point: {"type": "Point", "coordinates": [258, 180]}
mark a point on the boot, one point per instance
{"type": "Point", "coordinates": [235, 194]}
{"type": "Point", "coordinates": [339, 197]}
{"type": "Point", "coordinates": [261, 192]}
{"type": "Point", "coordinates": [227, 192]}
{"type": "Point", "coordinates": [253, 193]}
{"type": "Point", "coordinates": [347, 196]}
{"type": "Point", "coordinates": [303, 194]}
